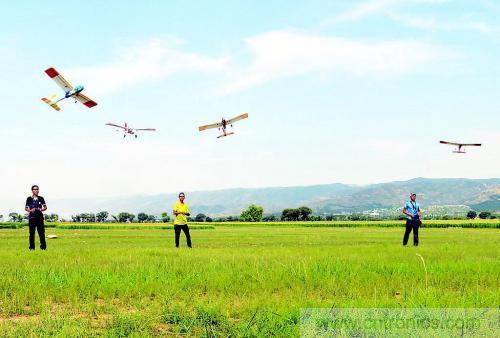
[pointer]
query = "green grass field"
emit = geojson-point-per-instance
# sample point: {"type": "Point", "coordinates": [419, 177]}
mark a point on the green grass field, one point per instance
{"type": "Point", "coordinates": [237, 281]}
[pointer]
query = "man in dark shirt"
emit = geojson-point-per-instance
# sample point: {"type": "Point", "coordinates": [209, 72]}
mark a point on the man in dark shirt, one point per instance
{"type": "Point", "coordinates": [35, 206]}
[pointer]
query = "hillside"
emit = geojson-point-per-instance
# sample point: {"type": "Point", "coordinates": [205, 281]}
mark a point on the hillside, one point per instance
{"type": "Point", "coordinates": [480, 194]}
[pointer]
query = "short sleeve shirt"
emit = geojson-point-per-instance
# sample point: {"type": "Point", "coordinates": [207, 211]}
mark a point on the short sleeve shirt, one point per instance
{"type": "Point", "coordinates": [181, 207]}
{"type": "Point", "coordinates": [35, 203]}
{"type": "Point", "coordinates": [412, 208]}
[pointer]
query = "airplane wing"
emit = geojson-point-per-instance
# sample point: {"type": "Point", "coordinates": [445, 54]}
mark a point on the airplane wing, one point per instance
{"type": "Point", "coordinates": [61, 82]}
{"type": "Point", "coordinates": [145, 129]}
{"type": "Point", "coordinates": [237, 118]}
{"type": "Point", "coordinates": [461, 144]}
{"type": "Point", "coordinates": [114, 125]}
{"type": "Point", "coordinates": [451, 143]}
{"type": "Point", "coordinates": [50, 103]}
{"type": "Point", "coordinates": [210, 126]}
{"type": "Point", "coordinates": [85, 100]}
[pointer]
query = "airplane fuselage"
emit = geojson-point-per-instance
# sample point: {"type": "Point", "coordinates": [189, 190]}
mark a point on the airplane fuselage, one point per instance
{"type": "Point", "coordinates": [74, 92]}
{"type": "Point", "coordinates": [223, 128]}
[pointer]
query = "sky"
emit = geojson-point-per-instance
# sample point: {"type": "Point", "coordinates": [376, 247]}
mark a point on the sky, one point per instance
{"type": "Point", "coordinates": [355, 92]}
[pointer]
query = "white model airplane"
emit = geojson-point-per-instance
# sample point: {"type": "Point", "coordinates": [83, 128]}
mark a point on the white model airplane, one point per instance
{"type": "Point", "coordinates": [223, 125]}
{"type": "Point", "coordinates": [69, 91]}
{"type": "Point", "coordinates": [460, 145]}
{"type": "Point", "coordinates": [127, 130]}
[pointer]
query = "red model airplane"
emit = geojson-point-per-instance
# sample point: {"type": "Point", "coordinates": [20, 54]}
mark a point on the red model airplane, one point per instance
{"type": "Point", "coordinates": [69, 91]}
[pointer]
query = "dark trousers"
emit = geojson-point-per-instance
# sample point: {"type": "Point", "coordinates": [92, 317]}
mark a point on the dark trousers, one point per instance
{"type": "Point", "coordinates": [37, 224]}
{"type": "Point", "coordinates": [411, 225]}
{"type": "Point", "coordinates": [185, 229]}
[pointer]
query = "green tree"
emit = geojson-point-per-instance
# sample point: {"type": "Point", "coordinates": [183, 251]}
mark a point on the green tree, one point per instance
{"type": "Point", "coordinates": [252, 214]}
{"type": "Point", "coordinates": [208, 219]}
{"type": "Point", "coordinates": [125, 217]}
{"type": "Point", "coordinates": [51, 217]}
{"type": "Point", "coordinates": [200, 218]}
{"type": "Point", "coordinates": [142, 217]}
{"type": "Point", "coordinates": [471, 214]}
{"type": "Point", "coordinates": [164, 217]}
{"type": "Point", "coordinates": [87, 217]}
{"type": "Point", "coordinates": [151, 218]}
{"type": "Point", "coordinates": [101, 216]}
{"type": "Point", "coordinates": [484, 214]}
{"type": "Point", "coordinates": [13, 216]}
{"type": "Point", "coordinates": [269, 218]}
{"type": "Point", "coordinates": [304, 213]}
{"type": "Point", "coordinates": [290, 214]}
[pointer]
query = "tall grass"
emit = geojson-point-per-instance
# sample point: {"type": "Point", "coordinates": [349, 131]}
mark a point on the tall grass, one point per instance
{"type": "Point", "coordinates": [236, 281]}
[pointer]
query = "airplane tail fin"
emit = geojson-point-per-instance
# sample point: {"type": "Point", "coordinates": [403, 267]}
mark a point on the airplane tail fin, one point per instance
{"type": "Point", "coordinates": [50, 103]}
{"type": "Point", "coordinates": [225, 134]}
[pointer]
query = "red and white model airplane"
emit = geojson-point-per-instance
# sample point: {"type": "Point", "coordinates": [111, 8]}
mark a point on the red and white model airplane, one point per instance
{"type": "Point", "coordinates": [127, 130]}
{"type": "Point", "coordinates": [223, 125]}
{"type": "Point", "coordinates": [69, 91]}
{"type": "Point", "coordinates": [460, 145]}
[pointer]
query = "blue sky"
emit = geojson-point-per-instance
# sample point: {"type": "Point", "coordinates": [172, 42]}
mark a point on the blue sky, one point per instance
{"type": "Point", "coordinates": [337, 91]}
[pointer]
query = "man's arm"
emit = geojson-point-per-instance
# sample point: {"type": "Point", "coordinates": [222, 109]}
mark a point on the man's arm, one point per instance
{"type": "Point", "coordinates": [27, 207]}
{"type": "Point", "coordinates": [407, 213]}
{"type": "Point", "coordinates": [44, 206]}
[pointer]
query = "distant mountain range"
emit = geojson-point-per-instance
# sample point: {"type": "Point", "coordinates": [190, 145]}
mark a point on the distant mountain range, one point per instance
{"type": "Point", "coordinates": [478, 194]}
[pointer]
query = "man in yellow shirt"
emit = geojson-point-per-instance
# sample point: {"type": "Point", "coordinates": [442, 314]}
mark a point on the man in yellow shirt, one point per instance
{"type": "Point", "coordinates": [181, 212]}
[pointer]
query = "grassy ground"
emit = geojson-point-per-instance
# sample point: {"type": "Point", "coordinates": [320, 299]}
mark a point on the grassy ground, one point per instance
{"type": "Point", "coordinates": [464, 223]}
{"type": "Point", "coordinates": [237, 281]}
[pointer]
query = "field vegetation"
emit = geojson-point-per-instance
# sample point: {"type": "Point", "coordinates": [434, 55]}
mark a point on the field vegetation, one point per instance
{"type": "Point", "coordinates": [236, 281]}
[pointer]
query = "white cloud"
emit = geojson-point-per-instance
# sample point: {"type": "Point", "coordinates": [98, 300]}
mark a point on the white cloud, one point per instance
{"type": "Point", "coordinates": [374, 7]}
{"type": "Point", "coordinates": [360, 11]}
{"type": "Point", "coordinates": [386, 8]}
{"type": "Point", "coordinates": [152, 60]}
{"type": "Point", "coordinates": [280, 54]}
{"type": "Point", "coordinates": [434, 24]}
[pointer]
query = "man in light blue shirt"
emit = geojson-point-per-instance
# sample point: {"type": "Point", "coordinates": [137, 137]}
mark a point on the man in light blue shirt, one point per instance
{"type": "Point", "coordinates": [413, 214]}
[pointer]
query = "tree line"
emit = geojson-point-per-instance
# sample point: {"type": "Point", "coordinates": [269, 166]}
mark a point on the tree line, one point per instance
{"type": "Point", "coordinates": [253, 213]}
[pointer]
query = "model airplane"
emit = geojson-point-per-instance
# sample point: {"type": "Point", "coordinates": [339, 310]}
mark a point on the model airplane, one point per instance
{"type": "Point", "coordinates": [223, 125]}
{"type": "Point", "coordinates": [69, 91]}
{"type": "Point", "coordinates": [127, 130]}
{"type": "Point", "coordinates": [460, 145]}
